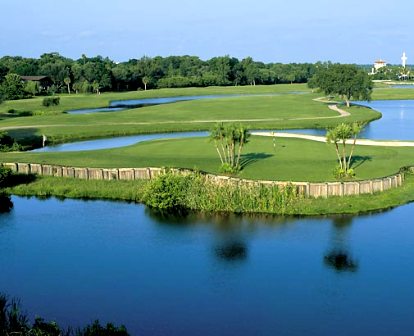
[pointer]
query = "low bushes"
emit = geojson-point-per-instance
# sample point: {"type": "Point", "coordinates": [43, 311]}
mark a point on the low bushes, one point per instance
{"type": "Point", "coordinates": [197, 192]}
{"type": "Point", "coordinates": [14, 322]}
{"type": "Point", "coordinates": [51, 101]}
{"type": "Point", "coordinates": [7, 143]}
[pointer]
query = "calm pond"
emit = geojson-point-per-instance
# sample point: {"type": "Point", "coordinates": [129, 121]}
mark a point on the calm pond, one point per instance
{"type": "Point", "coordinates": [76, 261]}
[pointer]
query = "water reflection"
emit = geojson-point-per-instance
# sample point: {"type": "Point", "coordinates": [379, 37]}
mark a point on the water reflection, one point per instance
{"type": "Point", "coordinates": [340, 261]}
{"type": "Point", "coordinates": [339, 256]}
{"type": "Point", "coordinates": [177, 217]}
{"type": "Point", "coordinates": [231, 251]}
{"type": "Point", "coordinates": [6, 204]}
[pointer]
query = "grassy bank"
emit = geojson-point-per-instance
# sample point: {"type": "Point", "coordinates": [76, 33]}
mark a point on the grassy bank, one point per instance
{"type": "Point", "coordinates": [284, 160]}
{"type": "Point", "coordinates": [73, 188]}
{"type": "Point", "coordinates": [221, 199]}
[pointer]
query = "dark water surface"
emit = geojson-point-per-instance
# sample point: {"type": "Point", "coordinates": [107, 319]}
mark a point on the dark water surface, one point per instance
{"type": "Point", "coordinates": [116, 141]}
{"type": "Point", "coordinates": [75, 261]}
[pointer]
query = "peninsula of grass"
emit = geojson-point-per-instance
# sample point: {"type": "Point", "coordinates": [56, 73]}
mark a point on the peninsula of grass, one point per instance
{"type": "Point", "coordinates": [265, 158]}
{"type": "Point", "coordinates": [256, 112]}
{"type": "Point", "coordinates": [84, 101]}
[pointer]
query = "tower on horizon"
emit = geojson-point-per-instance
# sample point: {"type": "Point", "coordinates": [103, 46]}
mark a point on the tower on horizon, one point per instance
{"type": "Point", "coordinates": [404, 59]}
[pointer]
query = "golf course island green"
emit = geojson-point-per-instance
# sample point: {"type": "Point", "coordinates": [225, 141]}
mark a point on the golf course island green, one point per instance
{"type": "Point", "coordinates": [274, 107]}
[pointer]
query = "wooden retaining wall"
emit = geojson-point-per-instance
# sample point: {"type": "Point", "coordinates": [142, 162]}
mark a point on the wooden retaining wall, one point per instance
{"type": "Point", "coordinates": [325, 189]}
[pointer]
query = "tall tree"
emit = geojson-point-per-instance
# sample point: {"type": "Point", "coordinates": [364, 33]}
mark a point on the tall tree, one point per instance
{"type": "Point", "coordinates": [12, 87]}
{"type": "Point", "coordinates": [346, 80]}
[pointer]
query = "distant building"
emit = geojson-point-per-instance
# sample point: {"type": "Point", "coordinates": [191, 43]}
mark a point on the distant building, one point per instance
{"type": "Point", "coordinates": [44, 81]}
{"type": "Point", "coordinates": [378, 65]}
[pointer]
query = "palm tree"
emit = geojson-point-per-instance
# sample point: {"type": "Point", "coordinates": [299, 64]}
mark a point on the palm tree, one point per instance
{"type": "Point", "coordinates": [145, 80]}
{"type": "Point", "coordinates": [332, 137]}
{"type": "Point", "coordinates": [356, 129]}
{"type": "Point", "coordinates": [67, 82]}
{"type": "Point", "coordinates": [229, 139]}
{"type": "Point", "coordinates": [340, 134]}
{"type": "Point", "coordinates": [217, 135]}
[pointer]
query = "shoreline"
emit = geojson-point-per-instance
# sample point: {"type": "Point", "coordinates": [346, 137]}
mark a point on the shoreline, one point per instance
{"type": "Point", "coordinates": [133, 191]}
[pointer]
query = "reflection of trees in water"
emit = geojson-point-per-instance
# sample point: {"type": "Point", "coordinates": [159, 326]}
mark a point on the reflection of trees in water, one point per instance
{"type": "Point", "coordinates": [341, 261]}
{"type": "Point", "coordinates": [170, 217]}
{"type": "Point", "coordinates": [339, 256]}
{"type": "Point", "coordinates": [6, 203]}
{"type": "Point", "coordinates": [231, 251]}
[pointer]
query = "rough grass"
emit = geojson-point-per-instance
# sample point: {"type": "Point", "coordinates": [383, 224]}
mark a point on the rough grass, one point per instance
{"type": "Point", "coordinates": [134, 191]}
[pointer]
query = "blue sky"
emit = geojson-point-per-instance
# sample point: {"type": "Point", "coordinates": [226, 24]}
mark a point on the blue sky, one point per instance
{"type": "Point", "coordinates": [348, 31]}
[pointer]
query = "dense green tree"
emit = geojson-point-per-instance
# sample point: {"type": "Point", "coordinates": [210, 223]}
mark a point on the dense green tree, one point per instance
{"type": "Point", "coordinates": [251, 70]}
{"type": "Point", "coordinates": [220, 66]}
{"type": "Point", "coordinates": [346, 80]}
{"type": "Point", "coordinates": [147, 72]}
{"type": "Point", "coordinates": [32, 88]}
{"type": "Point", "coordinates": [12, 87]}
{"type": "Point", "coordinates": [3, 71]}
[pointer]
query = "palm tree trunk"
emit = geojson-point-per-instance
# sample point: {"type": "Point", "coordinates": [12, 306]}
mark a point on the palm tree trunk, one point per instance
{"type": "Point", "coordinates": [238, 154]}
{"type": "Point", "coordinates": [224, 152]}
{"type": "Point", "coordinates": [218, 151]}
{"type": "Point", "coordinates": [352, 151]}
{"type": "Point", "coordinates": [338, 155]}
{"type": "Point", "coordinates": [344, 155]}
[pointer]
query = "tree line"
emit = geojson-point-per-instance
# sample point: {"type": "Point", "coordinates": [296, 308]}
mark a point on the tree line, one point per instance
{"type": "Point", "coordinates": [96, 74]}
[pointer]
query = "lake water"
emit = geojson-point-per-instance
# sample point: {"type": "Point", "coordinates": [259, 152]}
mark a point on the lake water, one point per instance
{"type": "Point", "coordinates": [397, 122]}
{"type": "Point", "coordinates": [76, 261]}
{"type": "Point", "coordinates": [403, 86]}
{"type": "Point", "coordinates": [116, 141]}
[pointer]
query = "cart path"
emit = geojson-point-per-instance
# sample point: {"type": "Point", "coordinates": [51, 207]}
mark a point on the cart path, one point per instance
{"type": "Point", "coordinates": [363, 142]}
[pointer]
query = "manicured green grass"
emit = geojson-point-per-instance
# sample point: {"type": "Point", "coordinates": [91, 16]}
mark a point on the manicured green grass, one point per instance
{"type": "Point", "coordinates": [259, 112]}
{"type": "Point", "coordinates": [80, 101]}
{"type": "Point", "coordinates": [390, 93]}
{"type": "Point", "coordinates": [289, 160]}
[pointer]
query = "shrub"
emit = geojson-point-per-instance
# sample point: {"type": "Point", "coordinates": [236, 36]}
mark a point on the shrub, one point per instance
{"type": "Point", "coordinates": [167, 192]}
{"type": "Point", "coordinates": [7, 143]}
{"type": "Point", "coordinates": [5, 174]}
{"type": "Point", "coordinates": [51, 101]}
{"type": "Point", "coordinates": [14, 322]}
{"type": "Point", "coordinates": [197, 192]}
{"type": "Point", "coordinates": [341, 173]}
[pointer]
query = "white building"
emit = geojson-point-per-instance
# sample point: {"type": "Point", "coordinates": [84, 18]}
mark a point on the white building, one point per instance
{"type": "Point", "coordinates": [379, 64]}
